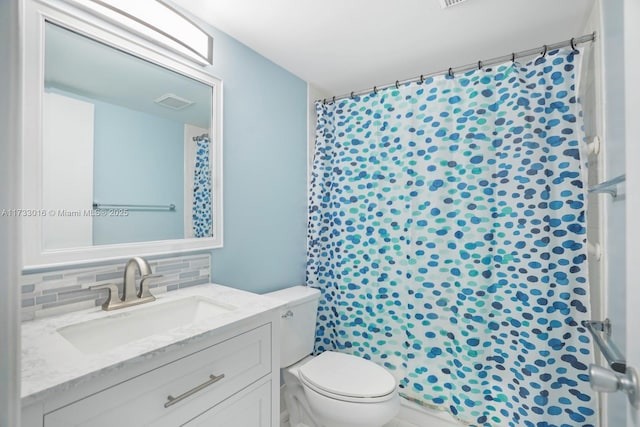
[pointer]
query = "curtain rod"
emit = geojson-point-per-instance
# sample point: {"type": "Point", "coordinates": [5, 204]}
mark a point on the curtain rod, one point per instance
{"type": "Point", "coordinates": [542, 50]}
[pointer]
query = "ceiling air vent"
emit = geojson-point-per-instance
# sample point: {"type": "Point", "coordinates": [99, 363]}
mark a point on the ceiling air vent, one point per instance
{"type": "Point", "coordinates": [448, 3]}
{"type": "Point", "coordinates": [172, 101]}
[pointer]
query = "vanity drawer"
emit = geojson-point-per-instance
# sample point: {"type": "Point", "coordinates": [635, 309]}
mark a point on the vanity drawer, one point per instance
{"type": "Point", "coordinates": [195, 382]}
{"type": "Point", "coordinates": [249, 408]}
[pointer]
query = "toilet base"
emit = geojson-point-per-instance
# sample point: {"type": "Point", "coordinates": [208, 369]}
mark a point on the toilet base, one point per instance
{"type": "Point", "coordinates": [337, 413]}
{"type": "Point", "coordinates": [299, 412]}
{"type": "Point", "coordinates": [299, 401]}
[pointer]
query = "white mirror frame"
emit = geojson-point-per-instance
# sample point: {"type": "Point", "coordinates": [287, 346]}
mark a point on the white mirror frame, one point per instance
{"type": "Point", "coordinates": [34, 14]}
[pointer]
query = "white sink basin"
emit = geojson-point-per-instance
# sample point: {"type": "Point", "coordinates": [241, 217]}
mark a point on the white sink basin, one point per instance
{"type": "Point", "coordinates": [106, 333]}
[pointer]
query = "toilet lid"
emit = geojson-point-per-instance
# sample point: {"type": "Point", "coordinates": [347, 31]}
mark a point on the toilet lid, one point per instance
{"type": "Point", "coordinates": [346, 375]}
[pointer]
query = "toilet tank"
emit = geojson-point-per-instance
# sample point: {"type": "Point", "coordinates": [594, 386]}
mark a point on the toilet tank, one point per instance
{"type": "Point", "coordinates": [298, 322]}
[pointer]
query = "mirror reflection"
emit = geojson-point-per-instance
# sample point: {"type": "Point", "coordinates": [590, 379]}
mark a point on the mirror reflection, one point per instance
{"type": "Point", "coordinates": [126, 149]}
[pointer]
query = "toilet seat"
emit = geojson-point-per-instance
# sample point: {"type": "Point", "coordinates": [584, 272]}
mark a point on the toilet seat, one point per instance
{"type": "Point", "coordinates": [347, 378]}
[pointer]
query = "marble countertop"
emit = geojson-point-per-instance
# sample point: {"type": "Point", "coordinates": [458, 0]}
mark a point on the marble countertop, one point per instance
{"type": "Point", "coordinates": [51, 364]}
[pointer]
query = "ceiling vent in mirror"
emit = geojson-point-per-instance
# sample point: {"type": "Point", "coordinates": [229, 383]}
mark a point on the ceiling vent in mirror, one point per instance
{"type": "Point", "coordinates": [448, 3]}
{"type": "Point", "coordinates": [172, 101]}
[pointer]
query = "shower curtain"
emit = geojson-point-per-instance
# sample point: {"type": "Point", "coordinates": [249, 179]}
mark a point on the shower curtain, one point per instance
{"type": "Point", "coordinates": [202, 215]}
{"type": "Point", "coordinates": [447, 234]}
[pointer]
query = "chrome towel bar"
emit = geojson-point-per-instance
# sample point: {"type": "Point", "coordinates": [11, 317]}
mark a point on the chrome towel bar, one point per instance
{"type": "Point", "coordinates": [609, 186]}
{"type": "Point", "coordinates": [132, 207]}
{"type": "Point", "coordinates": [609, 350]}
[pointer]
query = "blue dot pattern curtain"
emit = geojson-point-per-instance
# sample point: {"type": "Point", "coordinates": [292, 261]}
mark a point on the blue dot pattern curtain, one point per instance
{"type": "Point", "coordinates": [447, 234]}
{"type": "Point", "coordinates": [201, 213]}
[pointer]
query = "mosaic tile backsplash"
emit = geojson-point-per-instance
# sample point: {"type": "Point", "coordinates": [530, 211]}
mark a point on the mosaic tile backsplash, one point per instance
{"type": "Point", "coordinates": [63, 291]}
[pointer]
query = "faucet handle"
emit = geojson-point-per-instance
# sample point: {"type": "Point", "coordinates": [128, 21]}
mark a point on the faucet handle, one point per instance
{"type": "Point", "coordinates": [113, 300]}
{"type": "Point", "coordinates": [144, 287]}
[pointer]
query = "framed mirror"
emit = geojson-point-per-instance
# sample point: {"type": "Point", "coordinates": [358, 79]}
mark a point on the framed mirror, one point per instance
{"type": "Point", "coordinates": [122, 144]}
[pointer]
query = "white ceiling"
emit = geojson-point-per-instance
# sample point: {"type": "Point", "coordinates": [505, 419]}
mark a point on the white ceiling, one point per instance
{"type": "Point", "coordinates": [348, 45]}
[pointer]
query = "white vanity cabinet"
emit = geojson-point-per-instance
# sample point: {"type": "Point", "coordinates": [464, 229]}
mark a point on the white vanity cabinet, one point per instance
{"type": "Point", "coordinates": [228, 378]}
{"type": "Point", "coordinates": [196, 384]}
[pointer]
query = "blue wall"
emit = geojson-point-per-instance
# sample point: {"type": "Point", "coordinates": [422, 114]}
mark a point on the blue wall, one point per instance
{"type": "Point", "coordinates": [265, 140]}
{"type": "Point", "coordinates": [140, 161]}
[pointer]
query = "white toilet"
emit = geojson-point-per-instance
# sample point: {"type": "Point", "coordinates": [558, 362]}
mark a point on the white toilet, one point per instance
{"type": "Point", "coordinates": [331, 389]}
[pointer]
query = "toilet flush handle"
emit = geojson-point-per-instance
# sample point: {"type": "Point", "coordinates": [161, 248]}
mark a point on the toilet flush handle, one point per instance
{"type": "Point", "coordinates": [288, 314]}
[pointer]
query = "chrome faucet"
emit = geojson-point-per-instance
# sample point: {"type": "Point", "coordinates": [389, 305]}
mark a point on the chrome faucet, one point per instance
{"type": "Point", "coordinates": [129, 291]}
{"type": "Point", "coordinates": [130, 294]}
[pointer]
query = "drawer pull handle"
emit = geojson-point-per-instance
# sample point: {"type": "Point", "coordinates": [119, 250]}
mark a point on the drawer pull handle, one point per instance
{"type": "Point", "coordinates": [173, 400]}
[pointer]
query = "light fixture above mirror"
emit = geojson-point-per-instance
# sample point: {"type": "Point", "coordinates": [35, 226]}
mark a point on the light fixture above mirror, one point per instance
{"type": "Point", "coordinates": [158, 22]}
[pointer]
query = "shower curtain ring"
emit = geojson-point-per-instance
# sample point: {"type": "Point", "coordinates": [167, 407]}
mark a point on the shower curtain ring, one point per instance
{"type": "Point", "coordinates": [573, 44]}
{"type": "Point", "coordinates": [397, 84]}
{"type": "Point", "coordinates": [351, 95]}
{"type": "Point", "coordinates": [334, 100]}
{"type": "Point", "coordinates": [324, 101]}
{"type": "Point", "coordinates": [375, 90]}
{"type": "Point", "coordinates": [513, 57]}
{"type": "Point", "coordinates": [479, 65]}
{"type": "Point", "coordinates": [544, 52]}
{"type": "Point", "coordinates": [450, 72]}
{"type": "Point", "coordinates": [421, 78]}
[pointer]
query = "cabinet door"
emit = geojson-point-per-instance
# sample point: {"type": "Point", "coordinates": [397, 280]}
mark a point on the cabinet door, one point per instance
{"type": "Point", "coordinates": [249, 408]}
